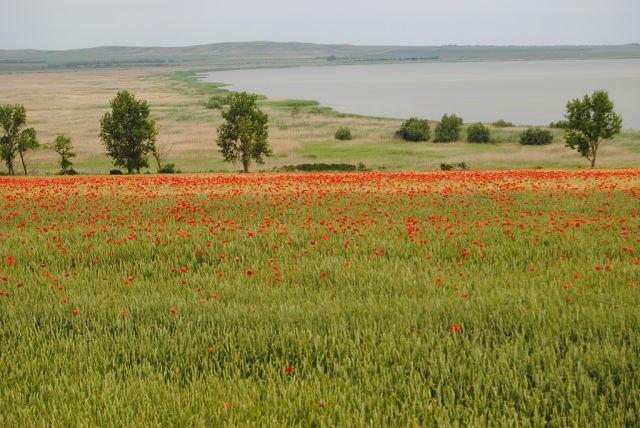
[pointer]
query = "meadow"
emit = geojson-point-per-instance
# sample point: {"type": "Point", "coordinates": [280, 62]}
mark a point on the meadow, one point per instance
{"type": "Point", "coordinates": [72, 102]}
{"type": "Point", "coordinates": [448, 298]}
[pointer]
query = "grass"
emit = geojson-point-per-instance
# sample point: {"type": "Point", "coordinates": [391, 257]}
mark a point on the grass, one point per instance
{"type": "Point", "coordinates": [73, 102]}
{"type": "Point", "coordinates": [462, 298]}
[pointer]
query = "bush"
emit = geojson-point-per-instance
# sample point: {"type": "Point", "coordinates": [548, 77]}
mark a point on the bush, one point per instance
{"type": "Point", "coordinates": [448, 129]}
{"type": "Point", "coordinates": [561, 124]}
{"type": "Point", "coordinates": [502, 124]}
{"type": "Point", "coordinates": [478, 133]}
{"type": "Point", "coordinates": [68, 171]}
{"type": "Point", "coordinates": [343, 134]}
{"type": "Point", "coordinates": [451, 166]}
{"type": "Point", "coordinates": [169, 168]}
{"type": "Point", "coordinates": [414, 129]}
{"type": "Point", "coordinates": [315, 167]}
{"type": "Point", "coordinates": [216, 102]}
{"type": "Point", "coordinates": [115, 172]}
{"type": "Point", "coordinates": [536, 137]}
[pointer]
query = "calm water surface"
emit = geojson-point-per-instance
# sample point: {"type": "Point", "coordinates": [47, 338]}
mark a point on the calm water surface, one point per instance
{"type": "Point", "coordinates": [524, 92]}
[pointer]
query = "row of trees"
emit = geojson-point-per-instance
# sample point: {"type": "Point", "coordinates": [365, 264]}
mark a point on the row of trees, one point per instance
{"type": "Point", "coordinates": [17, 140]}
{"type": "Point", "coordinates": [129, 134]}
{"type": "Point", "coordinates": [589, 121]}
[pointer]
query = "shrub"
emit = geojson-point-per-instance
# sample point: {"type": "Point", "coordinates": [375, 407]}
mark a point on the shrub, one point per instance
{"type": "Point", "coordinates": [478, 133]}
{"type": "Point", "coordinates": [314, 167]}
{"type": "Point", "coordinates": [115, 172]}
{"type": "Point", "coordinates": [536, 137]}
{"type": "Point", "coordinates": [448, 129]}
{"type": "Point", "coordinates": [216, 102]}
{"type": "Point", "coordinates": [343, 134]}
{"type": "Point", "coordinates": [68, 171]}
{"type": "Point", "coordinates": [502, 124]}
{"type": "Point", "coordinates": [414, 129]}
{"type": "Point", "coordinates": [169, 168]}
{"type": "Point", "coordinates": [561, 124]}
{"type": "Point", "coordinates": [451, 166]}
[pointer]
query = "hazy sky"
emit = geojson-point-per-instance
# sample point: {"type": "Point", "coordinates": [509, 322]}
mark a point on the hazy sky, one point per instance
{"type": "Point", "coordinates": [61, 24]}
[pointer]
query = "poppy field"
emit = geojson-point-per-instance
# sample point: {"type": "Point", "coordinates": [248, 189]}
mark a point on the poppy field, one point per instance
{"type": "Point", "coordinates": [479, 298]}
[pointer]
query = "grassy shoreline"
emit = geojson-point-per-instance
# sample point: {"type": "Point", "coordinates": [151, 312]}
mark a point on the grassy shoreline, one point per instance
{"type": "Point", "coordinates": [72, 102]}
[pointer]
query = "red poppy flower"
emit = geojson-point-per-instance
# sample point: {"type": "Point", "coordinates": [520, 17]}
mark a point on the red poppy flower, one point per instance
{"type": "Point", "coordinates": [455, 328]}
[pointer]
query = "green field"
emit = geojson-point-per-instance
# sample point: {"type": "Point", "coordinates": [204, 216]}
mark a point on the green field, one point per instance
{"type": "Point", "coordinates": [463, 298]}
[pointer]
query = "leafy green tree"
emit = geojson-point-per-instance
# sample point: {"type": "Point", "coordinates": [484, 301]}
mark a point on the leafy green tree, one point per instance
{"type": "Point", "coordinates": [16, 140]}
{"type": "Point", "coordinates": [245, 135]}
{"type": "Point", "coordinates": [589, 122]}
{"type": "Point", "coordinates": [128, 132]}
{"type": "Point", "coordinates": [448, 129]}
{"type": "Point", "coordinates": [478, 133]}
{"type": "Point", "coordinates": [414, 129]}
{"type": "Point", "coordinates": [64, 148]}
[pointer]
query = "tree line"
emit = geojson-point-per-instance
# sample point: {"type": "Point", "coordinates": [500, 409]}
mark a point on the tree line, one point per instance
{"type": "Point", "coordinates": [129, 133]}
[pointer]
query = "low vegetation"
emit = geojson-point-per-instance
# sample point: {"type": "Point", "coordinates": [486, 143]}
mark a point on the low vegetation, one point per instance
{"type": "Point", "coordinates": [502, 124]}
{"type": "Point", "coordinates": [448, 129]}
{"type": "Point", "coordinates": [478, 133]}
{"type": "Point", "coordinates": [343, 134]}
{"type": "Point", "coordinates": [414, 129]}
{"type": "Point", "coordinates": [536, 137]}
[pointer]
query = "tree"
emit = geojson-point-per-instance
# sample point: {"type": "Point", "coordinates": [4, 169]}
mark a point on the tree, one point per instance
{"type": "Point", "coordinates": [414, 129]}
{"type": "Point", "coordinates": [448, 129]}
{"type": "Point", "coordinates": [478, 133]}
{"type": "Point", "coordinates": [15, 140]}
{"type": "Point", "coordinates": [64, 148]}
{"type": "Point", "coordinates": [245, 134]}
{"type": "Point", "coordinates": [589, 122]}
{"type": "Point", "coordinates": [128, 133]}
{"type": "Point", "coordinates": [536, 137]}
{"type": "Point", "coordinates": [160, 153]}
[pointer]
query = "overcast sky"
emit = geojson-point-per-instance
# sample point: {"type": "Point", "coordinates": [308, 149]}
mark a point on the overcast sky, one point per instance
{"type": "Point", "coordinates": [62, 24]}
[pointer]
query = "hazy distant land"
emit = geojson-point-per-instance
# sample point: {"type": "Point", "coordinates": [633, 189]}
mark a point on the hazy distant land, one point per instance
{"type": "Point", "coordinates": [257, 54]}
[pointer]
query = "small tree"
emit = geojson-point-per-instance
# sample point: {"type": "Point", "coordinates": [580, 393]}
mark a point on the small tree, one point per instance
{"type": "Point", "coordinates": [245, 134]}
{"type": "Point", "coordinates": [16, 140]}
{"type": "Point", "coordinates": [448, 129]}
{"type": "Point", "coordinates": [589, 122]}
{"type": "Point", "coordinates": [478, 133]}
{"type": "Point", "coordinates": [343, 134]}
{"type": "Point", "coordinates": [64, 148]}
{"type": "Point", "coordinates": [536, 137]}
{"type": "Point", "coordinates": [128, 133]}
{"type": "Point", "coordinates": [414, 129]}
{"type": "Point", "coordinates": [160, 153]}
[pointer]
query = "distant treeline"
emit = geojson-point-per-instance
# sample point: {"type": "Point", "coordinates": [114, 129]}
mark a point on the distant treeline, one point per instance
{"type": "Point", "coordinates": [413, 58]}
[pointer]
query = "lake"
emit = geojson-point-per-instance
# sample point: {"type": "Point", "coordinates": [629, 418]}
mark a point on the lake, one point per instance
{"type": "Point", "coordinates": [523, 92]}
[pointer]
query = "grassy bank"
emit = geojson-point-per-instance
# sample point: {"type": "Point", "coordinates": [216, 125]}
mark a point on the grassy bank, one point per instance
{"type": "Point", "coordinates": [301, 131]}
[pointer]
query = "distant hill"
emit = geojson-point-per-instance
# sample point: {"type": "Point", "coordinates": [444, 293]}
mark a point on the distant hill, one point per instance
{"type": "Point", "coordinates": [243, 54]}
